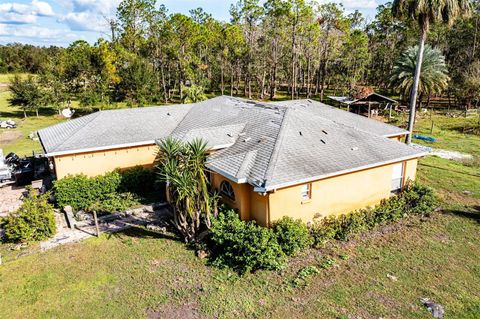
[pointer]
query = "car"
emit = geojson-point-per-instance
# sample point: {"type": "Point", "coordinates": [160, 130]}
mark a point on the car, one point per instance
{"type": "Point", "coordinates": [8, 124]}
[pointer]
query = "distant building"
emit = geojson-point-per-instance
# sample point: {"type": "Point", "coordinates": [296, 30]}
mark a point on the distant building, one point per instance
{"type": "Point", "coordinates": [370, 104]}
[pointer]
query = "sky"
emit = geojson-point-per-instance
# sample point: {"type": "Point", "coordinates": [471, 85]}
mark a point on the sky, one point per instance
{"type": "Point", "coordinates": [60, 22]}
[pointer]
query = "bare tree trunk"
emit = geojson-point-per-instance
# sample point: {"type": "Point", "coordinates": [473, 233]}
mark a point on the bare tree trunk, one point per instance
{"type": "Point", "coordinates": [416, 80]}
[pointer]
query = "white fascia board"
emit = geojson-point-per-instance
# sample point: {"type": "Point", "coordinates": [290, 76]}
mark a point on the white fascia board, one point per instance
{"type": "Point", "coordinates": [100, 148]}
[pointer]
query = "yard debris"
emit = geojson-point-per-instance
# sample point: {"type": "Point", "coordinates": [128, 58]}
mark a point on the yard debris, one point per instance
{"type": "Point", "coordinates": [392, 277]}
{"type": "Point", "coordinates": [466, 192]}
{"type": "Point", "coordinates": [202, 254]}
{"type": "Point", "coordinates": [156, 228]}
{"type": "Point", "coordinates": [435, 308]}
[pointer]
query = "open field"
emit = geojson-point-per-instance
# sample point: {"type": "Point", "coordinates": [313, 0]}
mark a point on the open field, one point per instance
{"type": "Point", "coordinates": [140, 273]}
{"type": "Point", "coordinates": [20, 142]}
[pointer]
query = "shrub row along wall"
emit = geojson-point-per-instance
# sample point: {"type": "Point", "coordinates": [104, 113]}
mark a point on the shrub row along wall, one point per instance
{"type": "Point", "coordinates": [245, 246]}
{"type": "Point", "coordinates": [81, 192]}
{"type": "Point", "coordinates": [414, 200]}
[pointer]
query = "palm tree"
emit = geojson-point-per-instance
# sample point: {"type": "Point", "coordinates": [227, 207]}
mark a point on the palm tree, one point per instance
{"type": "Point", "coordinates": [425, 13]}
{"type": "Point", "coordinates": [433, 78]}
{"type": "Point", "coordinates": [194, 94]}
{"type": "Point", "coordinates": [181, 167]}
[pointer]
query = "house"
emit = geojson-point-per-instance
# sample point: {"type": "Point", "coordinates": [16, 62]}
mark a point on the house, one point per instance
{"type": "Point", "coordinates": [298, 158]}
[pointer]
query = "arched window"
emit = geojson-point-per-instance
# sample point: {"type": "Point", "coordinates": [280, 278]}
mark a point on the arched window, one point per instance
{"type": "Point", "coordinates": [227, 190]}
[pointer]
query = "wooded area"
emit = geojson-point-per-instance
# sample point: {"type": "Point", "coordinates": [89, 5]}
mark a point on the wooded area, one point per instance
{"type": "Point", "coordinates": [270, 49]}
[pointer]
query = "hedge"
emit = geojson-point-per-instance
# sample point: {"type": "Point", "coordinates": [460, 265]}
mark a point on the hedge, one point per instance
{"type": "Point", "coordinates": [81, 192]}
{"type": "Point", "coordinates": [414, 200]}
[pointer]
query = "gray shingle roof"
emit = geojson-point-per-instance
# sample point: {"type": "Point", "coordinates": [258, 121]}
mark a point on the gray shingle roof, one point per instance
{"type": "Point", "coordinates": [269, 145]}
{"type": "Point", "coordinates": [105, 129]}
{"type": "Point", "coordinates": [346, 118]}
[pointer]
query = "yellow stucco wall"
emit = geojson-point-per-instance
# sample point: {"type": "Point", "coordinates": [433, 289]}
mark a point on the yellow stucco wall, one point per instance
{"type": "Point", "coordinates": [242, 192]}
{"type": "Point", "coordinates": [100, 162]}
{"type": "Point", "coordinates": [336, 195]}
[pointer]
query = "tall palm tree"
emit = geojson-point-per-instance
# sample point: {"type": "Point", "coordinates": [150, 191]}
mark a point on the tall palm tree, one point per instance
{"type": "Point", "coordinates": [433, 78]}
{"type": "Point", "coordinates": [425, 13]}
{"type": "Point", "coordinates": [181, 166]}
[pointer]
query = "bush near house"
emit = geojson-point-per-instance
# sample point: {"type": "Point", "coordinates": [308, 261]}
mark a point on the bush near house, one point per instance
{"type": "Point", "coordinates": [414, 200]}
{"type": "Point", "coordinates": [292, 235]}
{"type": "Point", "coordinates": [33, 221]}
{"type": "Point", "coordinates": [114, 191]}
{"type": "Point", "coordinates": [244, 245]}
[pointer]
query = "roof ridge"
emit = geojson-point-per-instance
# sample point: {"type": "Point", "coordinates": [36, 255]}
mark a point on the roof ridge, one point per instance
{"type": "Point", "coordinates": [91, 119]}
{"type": "Point", "coordinates": [276, 149]}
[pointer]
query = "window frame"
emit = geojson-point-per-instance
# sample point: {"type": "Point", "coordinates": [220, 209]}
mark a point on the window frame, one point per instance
{"type": "Point", "coordinates": [401, 179]}
{"type": "Point", "coordinates": [306, 195]}
{"type": "Point", "coordinates": [226, 189]}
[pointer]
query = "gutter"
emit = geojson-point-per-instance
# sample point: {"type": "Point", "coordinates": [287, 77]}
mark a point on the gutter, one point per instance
{"type": "Point", "coordinates": [337, 173]}
{"type": "Point", "coordinates": [99, 148]}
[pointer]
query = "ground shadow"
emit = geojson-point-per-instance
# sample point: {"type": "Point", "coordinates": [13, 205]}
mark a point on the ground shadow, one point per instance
{"type": "Point", "coordinates": [142, 232]}
{"type": "Point", "coordinates": [472, 212]}
{"type": "Point", "coordinates": [450, 170]}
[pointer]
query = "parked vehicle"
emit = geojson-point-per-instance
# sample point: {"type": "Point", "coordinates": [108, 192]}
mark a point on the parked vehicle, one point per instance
{"type": "Point", "coordinates": [8, 124]}
{"type": "Point", "coordinates": [22, 170]}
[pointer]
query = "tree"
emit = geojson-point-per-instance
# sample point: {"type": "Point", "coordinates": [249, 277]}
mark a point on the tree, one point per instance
{"type": "Point", "coordinates": [194, 94]}
{"type": "Point", "coordinates": [433, 79]}
{"type": "Point", "coordinates": [426, 13]}
{"type": "Point", "coordinates": [181, 167]}
{"type": "Point", "coordinates": [26, 94]}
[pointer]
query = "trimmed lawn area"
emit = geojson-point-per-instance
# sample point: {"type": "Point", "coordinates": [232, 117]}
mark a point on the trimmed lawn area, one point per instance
{"type": "Point", "coordinates": [139, 273]}
{"type": "Point", "coordinates": [17, 140]}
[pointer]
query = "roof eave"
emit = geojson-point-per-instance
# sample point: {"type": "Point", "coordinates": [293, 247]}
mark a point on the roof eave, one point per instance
{"type": "Point", "coordinates": [337, 173]}
{"type": "Point", "coordinates": [99, 148]}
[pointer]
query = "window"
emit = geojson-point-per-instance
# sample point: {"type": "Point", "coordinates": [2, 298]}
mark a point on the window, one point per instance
{"type": "Point", "coordinates": [227, 190]}
{"type": "Point", "coordinates": [307, 191]}
{"type": "Point", "coordinates": [397, 178]}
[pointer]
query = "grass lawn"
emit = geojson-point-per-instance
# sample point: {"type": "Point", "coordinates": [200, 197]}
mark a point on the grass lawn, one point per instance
{"type": "Point", "coordinates": [17, 140]}
{"type": "Point", "coordinates": [139, 273]}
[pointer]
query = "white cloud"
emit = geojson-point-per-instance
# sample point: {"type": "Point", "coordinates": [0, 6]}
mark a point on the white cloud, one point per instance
{"type": "Point", "coordinates": [354, 4]}
{"type": "Point", "coordinates": [20, 13]}
{"type": "Point", "coordinates": [89, 15]}
{"type": "Point", "coordinates": [34, 32]}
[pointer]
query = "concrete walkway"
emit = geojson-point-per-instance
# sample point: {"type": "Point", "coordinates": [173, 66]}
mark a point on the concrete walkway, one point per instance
{"type": "Point", "coordinates": [152, 216]}
{"type": "Point", "coordinates": [10, 199]}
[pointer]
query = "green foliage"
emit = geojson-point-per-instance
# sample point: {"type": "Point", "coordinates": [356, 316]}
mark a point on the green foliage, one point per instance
{"type": "Point", "coordinates": [85, 193]}
{"type": "Point", "coordinates": [181, 166]}
{"type": "Point", "coordinates": [244, 246]}
{"type": "Point", "coordinates": [26, 94]}
{"type": "Point", "coordinates": [414, 200]}
{"type": "Point", "coordinates": [138, 180]}
{"type": "Point", "coordinates": [433, 78]}
{"type": "Point", "coordinates": [33, 221]}
{"type": "Point", "coordinates": [81, 192]}
{"type": "Point", "coordinates": [292, 235]}
{"type": "Point", "coordinates": [301, 279]}
{"type": "Point", "coordinates": [193, 94]}
{"type": "Point", "coordinates": [114, 202]}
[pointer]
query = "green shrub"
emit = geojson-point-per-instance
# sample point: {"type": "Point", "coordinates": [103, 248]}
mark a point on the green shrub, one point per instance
{"type": "Point", "coordinates": [292, 235]}
{"type": "Point", "coordinates": [244, 246]}
{"type": "Point", "coordinates": [115, 203]}
{"type": "Point", "coordinates": [81, 192]}
{"type": "Point", "coordinates": [138, 180]}
{"type": "Point", "coordinates": [414, 200]}
{"type": "Point", "coordinates": [33, 221]}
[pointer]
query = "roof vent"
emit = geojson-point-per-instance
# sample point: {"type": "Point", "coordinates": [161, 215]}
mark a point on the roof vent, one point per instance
{"type": "Point", "coordinates": [354, 148]}
{"type": "Point", "coordinates": [247, 139]}
{"type": "Point", "coordinates": [168, 113]}
{"type": "Point", "coordinates": [300, 132]}
{"type": "Point", "coordinates": [229, 134]}
{"type": "Point", "coordinates": [323, 141]}
{"type": "Point", "coordinates": [325, 132]}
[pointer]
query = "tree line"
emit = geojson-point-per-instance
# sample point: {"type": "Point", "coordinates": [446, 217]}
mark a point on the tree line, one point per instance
{"type": "Point", "coordinates": [269, 49]}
